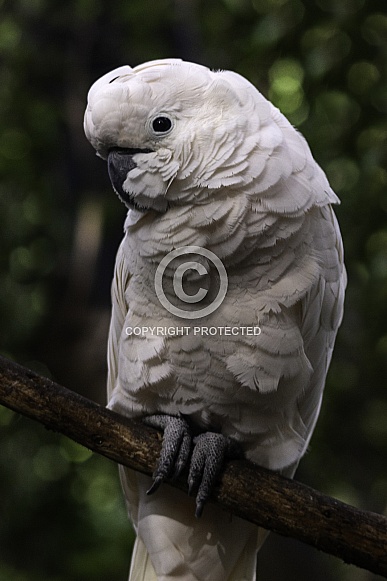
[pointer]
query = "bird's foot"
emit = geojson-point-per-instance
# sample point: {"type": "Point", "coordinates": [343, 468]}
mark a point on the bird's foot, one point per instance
{"type": "Point", "coordinates": [175, 449]}
{"type": "Point", "coordinates": [210, 451]}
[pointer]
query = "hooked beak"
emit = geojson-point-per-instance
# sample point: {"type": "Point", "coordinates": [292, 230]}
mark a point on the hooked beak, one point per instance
{"type": "Point", "coordinates": [120, 163]}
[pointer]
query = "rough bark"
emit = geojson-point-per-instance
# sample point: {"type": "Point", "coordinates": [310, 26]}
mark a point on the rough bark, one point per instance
{"type": "Point", "coordinates": [258, 495]}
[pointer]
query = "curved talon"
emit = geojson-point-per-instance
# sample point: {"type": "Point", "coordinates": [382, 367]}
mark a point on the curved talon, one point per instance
{"type": "Point", "coordinates": [155, 485]}
{"type": "Point", "coordinates": [207, 461]}
{"type": "Point", "coordinates": [208, 457]}
{"type": "Point", "coordinates": [199, 507]}
{"type": "Point", "coordinates": [175, 450]}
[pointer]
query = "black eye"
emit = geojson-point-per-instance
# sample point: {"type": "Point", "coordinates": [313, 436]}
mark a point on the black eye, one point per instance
{"type": "Point", "coordinates": [161, 124]}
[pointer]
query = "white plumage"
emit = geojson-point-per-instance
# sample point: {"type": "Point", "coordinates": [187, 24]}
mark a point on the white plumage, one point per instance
{"type": "Point", "coordinates": [233, 176]}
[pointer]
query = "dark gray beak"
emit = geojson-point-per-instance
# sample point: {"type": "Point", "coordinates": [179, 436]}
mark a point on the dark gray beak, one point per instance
{"type": "Point", "coordinates": [120, 163]}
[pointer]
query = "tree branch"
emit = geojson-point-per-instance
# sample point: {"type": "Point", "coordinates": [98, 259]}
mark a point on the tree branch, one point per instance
{"type": "Point", "coordinates": [253, 493]}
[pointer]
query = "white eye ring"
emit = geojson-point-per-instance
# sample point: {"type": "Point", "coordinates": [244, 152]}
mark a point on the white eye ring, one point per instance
{"type": "Point", "coordinates": [160, 125]}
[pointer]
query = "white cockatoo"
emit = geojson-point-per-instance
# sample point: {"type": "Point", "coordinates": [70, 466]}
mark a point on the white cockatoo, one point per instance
{"type": "Point", "coordinates": [212, 172]}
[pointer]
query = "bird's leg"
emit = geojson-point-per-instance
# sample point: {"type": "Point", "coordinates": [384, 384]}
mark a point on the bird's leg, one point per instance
{"type": "Point", "coordinates": [175, 449]}
{"type": "Point", "coordinates": [210, 451]}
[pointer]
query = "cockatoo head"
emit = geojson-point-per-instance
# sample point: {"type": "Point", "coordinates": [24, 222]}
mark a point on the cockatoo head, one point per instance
{"type": "Point", "coordinates": [170, 128]}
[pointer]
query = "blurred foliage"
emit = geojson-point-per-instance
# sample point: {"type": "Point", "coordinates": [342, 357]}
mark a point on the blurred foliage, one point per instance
{"type": "Point", "coordinates": [323, 63]}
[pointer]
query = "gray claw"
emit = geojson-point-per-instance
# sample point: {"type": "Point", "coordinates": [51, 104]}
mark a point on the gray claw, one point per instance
{"type": "Point", "coordinates": [175, 449]}
{"type": "Point", "coordinates": [155, 484]}
{"type": "Point", "coordinates": [208, 457]}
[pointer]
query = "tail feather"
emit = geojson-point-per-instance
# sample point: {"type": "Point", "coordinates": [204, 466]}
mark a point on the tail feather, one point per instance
{"type": "Point", "coordinates": [173, 545]}
{"type": "Point", "coordinates": [141, 568]}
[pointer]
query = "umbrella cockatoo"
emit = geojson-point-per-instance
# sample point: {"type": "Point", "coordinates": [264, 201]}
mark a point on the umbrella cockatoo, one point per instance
{"type": "Point", "coordinates": [227, 296]}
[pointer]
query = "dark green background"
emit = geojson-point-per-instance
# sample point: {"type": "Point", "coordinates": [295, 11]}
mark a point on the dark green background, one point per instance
{"type": "Point", "coordinates": [323, 62]}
